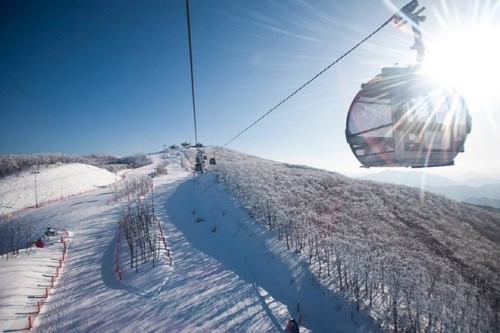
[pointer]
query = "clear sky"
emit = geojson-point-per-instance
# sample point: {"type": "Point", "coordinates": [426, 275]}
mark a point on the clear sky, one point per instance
{"type": "Point", "coordinates": [85, 76]}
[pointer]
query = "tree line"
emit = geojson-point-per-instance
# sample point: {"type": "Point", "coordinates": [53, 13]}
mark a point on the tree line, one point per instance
{"type": "Point", "coordinates": [131, 189]}
{"type": "Point", "coordinates": [13, 164]}
{"type": "Point", "coordinates": [16, 234]}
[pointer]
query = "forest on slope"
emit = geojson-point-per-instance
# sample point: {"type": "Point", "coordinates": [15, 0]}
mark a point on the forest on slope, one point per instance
{"type": "Point", "coordinates": [415, 260]}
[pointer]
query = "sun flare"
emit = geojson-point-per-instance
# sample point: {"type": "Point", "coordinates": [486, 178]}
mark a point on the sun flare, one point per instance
{"type": "Point", "coordinates": [467, 59]}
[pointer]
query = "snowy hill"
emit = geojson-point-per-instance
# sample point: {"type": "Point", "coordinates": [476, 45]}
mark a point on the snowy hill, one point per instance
{"type": "Point", "coordinates": [397, 251]}
{"type": "Point", "coordinates": [253, 242]}
{"type": "Point", "coordinates": [232, 279]}
{"type": "Point", "coordinates": [52, 183]}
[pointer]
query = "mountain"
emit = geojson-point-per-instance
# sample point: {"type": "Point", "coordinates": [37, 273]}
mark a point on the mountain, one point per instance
{"type": "Point", "coordinates": [410, 178]}
{"type": "Point", "coordinates": [476, 179]}
{"type": "Point", "coordinates": [482, 201]}
{"type": "Point", "coordinates": [463, 192]}
{"type": "Point", "coordinates": [255, 241]}
{"type": "Point", "coordinates": [483, 191]}
{"type": "Point", "coordinates": [416, 260]}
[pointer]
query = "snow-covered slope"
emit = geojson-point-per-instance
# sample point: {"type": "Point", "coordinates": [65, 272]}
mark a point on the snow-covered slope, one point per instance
{"type": "Point", "coordinates": [292, 241]}
{"type": "Point", "coordinates": [24, 279]}
{"type": "Point", "coordinates": [395, 250]}
{"type": "Point", "coordinates": [52, 183]}
{"type": "Point", "coordinates": [229, 274]}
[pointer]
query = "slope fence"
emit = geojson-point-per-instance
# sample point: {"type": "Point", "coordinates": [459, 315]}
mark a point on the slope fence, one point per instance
{"type": "Point", "coordinates": [64, 241]}
{"type": "Point", "coordinates": [165, 243]}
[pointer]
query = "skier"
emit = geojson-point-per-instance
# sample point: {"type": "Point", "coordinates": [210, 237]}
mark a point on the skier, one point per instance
{"type": "Point", "coordinates": [292, 325]}
{"type": "Point", "coordinates": [295, 326]}
{"type": "Point", "coordinates": [50, 232]}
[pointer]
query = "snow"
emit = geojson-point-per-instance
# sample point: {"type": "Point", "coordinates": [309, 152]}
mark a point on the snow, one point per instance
{"type": "Point", "coordinates": [24, 279]}
{"type": "Point", "coordinates": [229, 274]}
{"type": "Point", "coordinates": [53, 183]}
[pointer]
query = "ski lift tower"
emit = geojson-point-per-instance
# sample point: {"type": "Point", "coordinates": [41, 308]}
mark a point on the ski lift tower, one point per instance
{"type": "Point", "coordinates": [200, 161]}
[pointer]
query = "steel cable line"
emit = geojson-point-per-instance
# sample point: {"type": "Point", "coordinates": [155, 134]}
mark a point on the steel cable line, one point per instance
{"type": "Point", "coordinates": [192, 75]}
{"type": "Point", "coordinates": [393, 17]}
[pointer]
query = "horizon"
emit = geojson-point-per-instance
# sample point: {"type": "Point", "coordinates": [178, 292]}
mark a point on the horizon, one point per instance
{"type": "Point", "coordinates": [360, 172]}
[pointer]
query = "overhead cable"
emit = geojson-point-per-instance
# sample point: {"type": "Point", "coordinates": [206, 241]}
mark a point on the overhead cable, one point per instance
{"type": "Point", "coordinates": [309, 81]}
{"type": "Point", "coordinates": [192, 75]}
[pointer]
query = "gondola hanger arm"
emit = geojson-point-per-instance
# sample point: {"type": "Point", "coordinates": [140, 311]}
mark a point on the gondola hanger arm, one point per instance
{"type": "Point", "coordinates": [410, 13]}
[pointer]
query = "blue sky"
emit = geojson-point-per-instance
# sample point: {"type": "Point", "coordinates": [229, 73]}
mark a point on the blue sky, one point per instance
{"type": "Point", "coordinates": [79, 77]}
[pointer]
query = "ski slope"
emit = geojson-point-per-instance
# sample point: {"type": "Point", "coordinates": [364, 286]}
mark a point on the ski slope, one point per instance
{"type": "Point", "coordinates": [229, 274]}
{"type": "Point", "coordinates": [53, 183]}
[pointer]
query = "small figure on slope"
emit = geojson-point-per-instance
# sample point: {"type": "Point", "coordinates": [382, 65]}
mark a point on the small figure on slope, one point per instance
{"type": "Point", "coordinates": [50, 232]}
{"type": "Point", "coordinates": [292, 325]}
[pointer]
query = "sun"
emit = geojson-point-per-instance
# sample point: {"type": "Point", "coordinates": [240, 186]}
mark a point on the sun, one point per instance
{"type": "Point", "coordinates": [466, 58]}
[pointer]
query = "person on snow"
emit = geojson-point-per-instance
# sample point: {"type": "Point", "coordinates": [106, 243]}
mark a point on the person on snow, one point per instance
{"type": "Point", "coordinates": [295, 326]}
{"type": "Point", "coordinates": [50, 232]}
{"type": "Point", "coordinates": [292, 325]}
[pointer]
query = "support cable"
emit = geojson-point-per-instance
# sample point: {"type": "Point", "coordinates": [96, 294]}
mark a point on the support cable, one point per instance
{"type": "Point", "coordinates": [393, 17]}
{"type": "Point", "coordinates": [192, 76]}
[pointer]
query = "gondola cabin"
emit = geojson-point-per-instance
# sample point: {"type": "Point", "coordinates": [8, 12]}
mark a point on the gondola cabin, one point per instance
{"type": "Point", "coordinates": [212, 161]}
{"type": "Point", "coordinates": [400, 118]}
{"type": "Point", "coordinates": [198, 167]}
